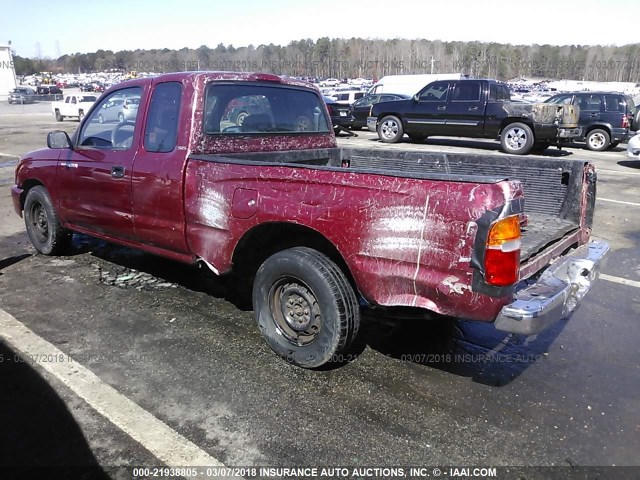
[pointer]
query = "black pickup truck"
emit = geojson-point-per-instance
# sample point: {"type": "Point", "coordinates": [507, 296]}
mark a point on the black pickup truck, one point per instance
{"type": "Point", "coordinates": [475, 108]}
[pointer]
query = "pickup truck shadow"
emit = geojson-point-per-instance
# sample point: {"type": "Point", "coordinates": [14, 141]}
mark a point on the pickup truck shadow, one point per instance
{"type": "Point", "coordinates": [630, 164]}
{"type": "Point", "coordinates": [128, 262]}
{"type": "Point", "coordinates": [464, 348]}
{"type": "Point", "coordinates": [39, 436]}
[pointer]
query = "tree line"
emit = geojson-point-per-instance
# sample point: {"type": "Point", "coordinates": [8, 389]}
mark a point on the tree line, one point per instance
{"type": "Point", "coordinates": [367, 58]}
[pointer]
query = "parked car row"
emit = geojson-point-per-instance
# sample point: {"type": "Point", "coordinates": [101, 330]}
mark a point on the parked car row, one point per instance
{"type": "Point", "coordinates": [22, 95]}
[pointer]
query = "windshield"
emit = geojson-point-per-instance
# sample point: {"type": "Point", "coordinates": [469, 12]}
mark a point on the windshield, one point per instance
{"type": "Point", "coordinates": [259, 109]}
{"type": "Point", "coordinates": [88, 99]}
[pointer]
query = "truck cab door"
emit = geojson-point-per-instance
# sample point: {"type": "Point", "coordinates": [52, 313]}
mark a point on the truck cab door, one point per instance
{"type": "Point", "coordinates": [427, 112]}
{"type": "Point", "coordinates": [157, 183]}
{"type": "Point", "coordinates": [95, 175]}
{"type": "Point", "coordinates": [465, 109]}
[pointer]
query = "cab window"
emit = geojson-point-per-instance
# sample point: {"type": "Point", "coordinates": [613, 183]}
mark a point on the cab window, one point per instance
{"type": "Point", "coordinates": [161, 131]}
{"type": "Point", "coordinates": [436, 92]}
{"type": "Point", "coordinates": [466, 92]}
{"type": "Point", "coordinates": [111, 124]}
{"type": "Point", "coordinates": [260, 109]}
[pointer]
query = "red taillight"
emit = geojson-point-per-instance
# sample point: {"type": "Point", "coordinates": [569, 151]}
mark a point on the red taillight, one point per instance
{"type": "Point", "coordinates": [502, 256]}
{"type": "Point", "coordinates": [625, 122]}
{"type": "Point", "coordinates": [330, 110]}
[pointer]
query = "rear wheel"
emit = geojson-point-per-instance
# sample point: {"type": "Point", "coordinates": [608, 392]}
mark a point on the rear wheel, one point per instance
{"type": "Point", "coordinates": [80, 115]}
{"type": "Point", "coordinates": [120, 118]}
{"type": "Point", "coordinates": [43, 225]}
{"type": "Point", "coordinates": [305, 307]}
{"type": "Point", "coordinates": [516, 138]}
{"type": "Point", "coordinates": [390, 129]}
{"type": "Point", "coordinates": [598, 140]}
{"type": "Point", "coordinates": [100, 118]}
{"type": "Point", "coordinates": [59, 117]}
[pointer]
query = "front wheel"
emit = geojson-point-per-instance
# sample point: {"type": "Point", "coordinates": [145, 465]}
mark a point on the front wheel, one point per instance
{"type": "Point", "coordinates": [43, 225]}
{"type": "Point", "coordinates": [80, 115]}
{"type": "Point", "coordinates": [305, 307]}
{"type": "Point", "coordinates": [390, 129]}
{"type": "Point", "coordinates": [598, 140]}
{"type": "Point", "coordinates": [516, 138]}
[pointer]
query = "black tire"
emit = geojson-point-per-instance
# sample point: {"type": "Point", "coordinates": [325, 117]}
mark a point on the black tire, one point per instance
{"type": "Point", "coordinates": [598, 140]}
{"type": "Point", "coordinates": [390, 129]}
{"type": "Point", "coordinates": [100, 118]}
{"type": "Point", "coordinates": [59, 117]}
{"type": "Point", "coordinates": [323, 312]}
{"type": "Point", "coordinates": [120, 118]}
{"type": "Point", "coordinates": [43, 225]}
{"type": "Point", "coordinates": [516, 138]}
{"type": "Point", "coordinates": [80, 115]}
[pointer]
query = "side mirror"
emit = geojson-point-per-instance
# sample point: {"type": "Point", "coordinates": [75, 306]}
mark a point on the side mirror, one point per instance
{"type": "Point", "coordinates": [416, 97]}
{"type": "Point", "coordinates": [58, 139]}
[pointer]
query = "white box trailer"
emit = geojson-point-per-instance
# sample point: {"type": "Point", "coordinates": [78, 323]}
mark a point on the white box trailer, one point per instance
{"type": "Point", "coordinates": [7, 72]}
{"type": "Point", "coordinates": [411, 84]}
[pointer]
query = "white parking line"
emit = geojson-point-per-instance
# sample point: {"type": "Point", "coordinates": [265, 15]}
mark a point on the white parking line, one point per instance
{"type": "Point", "coordinates": [619, 201]}
{"type": "Point", "coordinates": [157, 437]}
{"type": "Point", "coordinates": [2, 154]}
{"type": "Point", "coordinates": [620, 280]}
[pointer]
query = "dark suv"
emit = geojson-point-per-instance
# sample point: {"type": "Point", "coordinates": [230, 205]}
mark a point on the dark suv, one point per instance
{"type": "Point", "coordinates": [606, 118]}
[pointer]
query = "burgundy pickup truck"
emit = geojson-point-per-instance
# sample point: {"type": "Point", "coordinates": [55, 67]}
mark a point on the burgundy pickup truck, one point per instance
{"type": "Point", "coordinates": [321, 231]}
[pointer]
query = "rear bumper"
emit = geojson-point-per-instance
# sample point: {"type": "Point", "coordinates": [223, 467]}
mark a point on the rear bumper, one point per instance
{"type": "Point", "coordinates": [556, 293]}
{"type": "Point", "coordinates": [569, 132]}
{"type": "Point", "coordinates": [16, 195]}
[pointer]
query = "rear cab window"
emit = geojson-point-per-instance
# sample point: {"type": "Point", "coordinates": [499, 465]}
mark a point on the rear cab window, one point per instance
{"type": "Point", "coordinates": [232, 109]}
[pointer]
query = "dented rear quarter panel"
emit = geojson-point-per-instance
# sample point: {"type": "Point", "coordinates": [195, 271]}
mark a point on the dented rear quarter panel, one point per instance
{"type": "Point", "coordinates": [406, 242]}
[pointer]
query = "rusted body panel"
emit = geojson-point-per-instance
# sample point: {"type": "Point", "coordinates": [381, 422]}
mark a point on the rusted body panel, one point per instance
{"type": "Point", "coordinates": [566, 116]}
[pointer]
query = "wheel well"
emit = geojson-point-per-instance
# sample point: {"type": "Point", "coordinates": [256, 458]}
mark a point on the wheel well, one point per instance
{"type": "Point", "coordinates": [509, 120]}
{"type": "Point", "coordinates": [264, 240]}
{"type": "Point", "coordinates": [26, 186]}
{"type": "Point", "coordinates": [597, 127]}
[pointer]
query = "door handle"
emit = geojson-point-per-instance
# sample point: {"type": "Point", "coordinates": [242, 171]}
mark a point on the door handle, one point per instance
{"type": "Point", "coordinates": [117, 172]}
{"type": "Point", "coordinates": [593, 115]}
{"type": "Point", "coordinates": [473, 109]}
{"type": "Point", "coordinates": [442, 107]}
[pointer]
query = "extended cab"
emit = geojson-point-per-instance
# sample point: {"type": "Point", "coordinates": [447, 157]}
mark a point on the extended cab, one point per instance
{"type": "Point", "coordinates": [321, 231]}
{"type": "Point", "coordinates": [76, 106]}
{"type": "Point", "coordinates": [479, 109]}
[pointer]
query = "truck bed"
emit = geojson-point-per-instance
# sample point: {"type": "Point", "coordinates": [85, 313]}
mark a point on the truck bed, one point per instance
{"type": "Point", "coordinates": [552, 187]}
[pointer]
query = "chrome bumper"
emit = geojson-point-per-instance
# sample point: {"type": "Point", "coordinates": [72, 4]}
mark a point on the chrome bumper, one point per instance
{"type": "Point", "coordinates": [557, 292]}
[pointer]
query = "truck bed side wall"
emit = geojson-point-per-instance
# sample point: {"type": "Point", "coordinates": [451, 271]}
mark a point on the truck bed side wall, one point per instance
{"type": "Point", "coordinates": [406, 241]}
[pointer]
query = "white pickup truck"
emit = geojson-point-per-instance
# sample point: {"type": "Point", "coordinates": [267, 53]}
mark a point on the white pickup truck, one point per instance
{"type": "Point", "coordinates": [75, 105]}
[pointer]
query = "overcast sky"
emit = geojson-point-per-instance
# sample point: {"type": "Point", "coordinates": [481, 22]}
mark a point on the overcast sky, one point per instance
{"type": "Point", "coordinates": [52, 28]}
